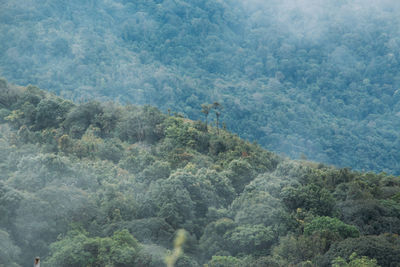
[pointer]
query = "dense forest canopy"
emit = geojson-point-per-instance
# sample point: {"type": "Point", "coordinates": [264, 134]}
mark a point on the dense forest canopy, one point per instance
{"type": "Point", "coordinates": [313, 78]}
{"type": "Point", "coordinates": [103, 184]}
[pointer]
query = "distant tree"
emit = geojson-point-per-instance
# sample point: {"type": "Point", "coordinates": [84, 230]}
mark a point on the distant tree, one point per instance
{"type": "Point", "coordinates": [295, 251]}
{"type": "Point", "coordinates": [9, 252]}
{"type": "Point", "coordinates": [384, 248]}
{"type": "Point", "coordinates": [250, 239]}
{"type": "Point", "coordinates": [77, 249]}
{"type": "Point", "coordinates": [50, 112]}
{"type": "Point", "coordinates": [332, 227]}
{"type": "Point", "coordinates": [217, 107]}
{"type": "Point", "coordinates": [205, 108]}
{"type": "Point", "coordinates": [310, 197]}
{"type": "Point", "coordinates": [224, 261]}
{"type": "Point", "coordinates": [213, 241]}
{"type": "Point", "coordinates": [240, 173]}
{"type": "Point", "coordinates": [355, 261]}
{"type": "Point", "coordinates": [8, 94]}
{"type": "Point", "coordinates": [186, 261]}
{"type": "Point", "coordinates": [330, 230]}
{"type": "Point", "coordinates": [80, 117]}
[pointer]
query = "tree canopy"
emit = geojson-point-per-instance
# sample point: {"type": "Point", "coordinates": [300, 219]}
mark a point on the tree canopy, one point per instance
{"type": "Point", "coordinates": [104, 184]}
{"type": "Point", "coordinates": [298, 77]}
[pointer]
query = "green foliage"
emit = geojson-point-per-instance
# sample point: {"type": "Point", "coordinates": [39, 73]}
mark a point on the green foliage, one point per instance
{"type": "Point", "coordinates": [151, 229]}
{"type": "Point", "coordinates": [184, 134]}
{"type": "Point", "coordinates": [331, 227]}
{"type": "Point", "coordinates": [310, 197]}
{"type": "Point", "coordinates": [330, 230]}
{"type": "Point", "coordinates": [327, 89]}
{"type": "Point", "coordinates": [157, 170]}
{"type": "Point", "coordinates": [8, 94]}
{"type": "Point", "coordinates": [213, 241]}
{"type": "Point", "coordinates": [384, 248]}
{"type": "Point", "coordinates": [220, 183]}
{"type": "Point", "coordinates": [250, 239]}
{"type": "Point", "coordinates": [294, 250]}
{"type": "Point", "coordinates": [9, 252]}
{"type": "Point", "coordinates": [140, 124]}
{"type": "Point", "coordinates": [223, 261]}
{"type": "Point", "coordinates": [372, 216]}
{"type": "Point", "coordinates": [107, 169]}
{"type": "Point", "coordinates": [355, 261]}
{"type": "Point", "coordinates": [9, 202]}
{"type": "Point", "coordinates": [240, 173]}
{"type": "Point", "coordinates": [110, 150]}
{"type": "Point", "coordinates": [81, 117]}
{"type": "Point", "coordinates": [77, 249]}
{"type": "Point", "coordinates": [50, 112]}
{"type": "Point", "coordinates": [258, 208]}
{"type": "Point", "coordinates": [185, 260]}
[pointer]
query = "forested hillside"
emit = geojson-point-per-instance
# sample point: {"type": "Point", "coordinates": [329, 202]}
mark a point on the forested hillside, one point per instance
{"type": "Point", "coordinates": [104, 184]}
{"type": "Point", "coordinates": [299, 77]}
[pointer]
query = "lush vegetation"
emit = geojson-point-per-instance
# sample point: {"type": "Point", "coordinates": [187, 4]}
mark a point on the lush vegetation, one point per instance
{"type": "Point", "coordinates": [101, 184]}
{"type": "Point", "coordinates": [299, 77]}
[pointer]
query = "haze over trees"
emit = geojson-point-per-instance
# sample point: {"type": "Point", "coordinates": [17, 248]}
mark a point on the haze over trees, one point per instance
{"type": "Point", "coordinates": [299, 77]}
{"type": "Point", "coordinates": [163, 133]}
{"type": "Point", "coordinates": [102, 184]}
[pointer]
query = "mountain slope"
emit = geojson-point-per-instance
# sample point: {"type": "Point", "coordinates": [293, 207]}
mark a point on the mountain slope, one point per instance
{"type": "Point", "coordinates": [96, 184]}
{"type": "Point", "coordinates": [298, 77]}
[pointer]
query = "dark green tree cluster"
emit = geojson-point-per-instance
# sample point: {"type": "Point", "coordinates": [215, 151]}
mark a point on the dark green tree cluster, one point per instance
{"type": "Point", "coordinates": [102, 184]}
